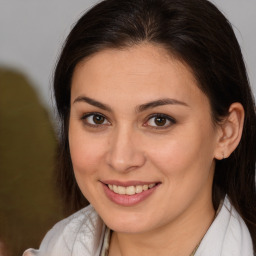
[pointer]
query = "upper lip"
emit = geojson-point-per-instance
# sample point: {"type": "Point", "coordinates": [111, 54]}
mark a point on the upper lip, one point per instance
{"type": "Point", "coordinates": [128, 183]}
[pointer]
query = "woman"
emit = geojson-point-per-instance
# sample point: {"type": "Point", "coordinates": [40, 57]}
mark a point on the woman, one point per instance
{"type": "Point", "coordinates": [158, 133]}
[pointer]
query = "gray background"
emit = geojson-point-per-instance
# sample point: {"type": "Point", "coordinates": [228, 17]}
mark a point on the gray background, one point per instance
{"type": "Point", "coordinates": [32, 32]}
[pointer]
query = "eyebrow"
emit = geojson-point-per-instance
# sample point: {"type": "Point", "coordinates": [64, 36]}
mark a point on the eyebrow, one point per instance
{"type": "Point", "coordinates": [140, 108]}
{"type": "Point", "coordinates": [160, 102]}
{"type": "Point", "coordinates": [93, 103]}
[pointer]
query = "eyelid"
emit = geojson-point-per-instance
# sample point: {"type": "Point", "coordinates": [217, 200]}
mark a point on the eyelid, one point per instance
{"type": "Point", "coordinates": [86, 115]}
{"type": "Point", "coordinates": [169, 118]}
{"type": "Point", "coordinates": [145, 124]}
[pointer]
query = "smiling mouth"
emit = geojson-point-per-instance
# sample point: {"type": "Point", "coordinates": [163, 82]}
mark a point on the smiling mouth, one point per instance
{"type": "Point", "coordinates": [130, 190]}
{"type": "Point", "coordinates": [129, 193]}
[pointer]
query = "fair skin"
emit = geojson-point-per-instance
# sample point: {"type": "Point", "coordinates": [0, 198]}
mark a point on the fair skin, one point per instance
{"type": "Point", "coordinates": [136, 118]}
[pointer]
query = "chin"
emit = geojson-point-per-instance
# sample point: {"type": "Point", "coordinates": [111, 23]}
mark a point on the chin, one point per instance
{"type": "Point", "coordinates": [128, 223]}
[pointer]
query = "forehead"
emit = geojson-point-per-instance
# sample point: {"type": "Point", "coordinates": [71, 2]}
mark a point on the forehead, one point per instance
{"type": "Point", "coordinates": [144, 69]}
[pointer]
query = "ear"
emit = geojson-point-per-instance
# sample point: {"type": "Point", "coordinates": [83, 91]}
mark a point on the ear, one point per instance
{"type": "Point", "coordinates": [230, 131]}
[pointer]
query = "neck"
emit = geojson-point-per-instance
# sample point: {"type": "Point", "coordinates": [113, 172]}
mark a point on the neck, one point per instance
{"type": "Point", "coordinates": [179, 238]}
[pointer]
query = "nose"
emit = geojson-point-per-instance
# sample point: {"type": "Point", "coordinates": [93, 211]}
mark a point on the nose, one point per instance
{"type": "Point", "coordinates": [125, 151]}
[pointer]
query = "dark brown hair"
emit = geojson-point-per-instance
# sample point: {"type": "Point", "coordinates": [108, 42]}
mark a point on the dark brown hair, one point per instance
{"type": "Point", "coordinates": [195, 32]}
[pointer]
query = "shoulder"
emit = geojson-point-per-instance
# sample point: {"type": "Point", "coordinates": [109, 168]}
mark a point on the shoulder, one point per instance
{"type": "Point", "coordinates": [228, 234]}
{"type": "Point", "coordinates": [237, 231]}
{"type": "Point", "coordinates": [80, 232]}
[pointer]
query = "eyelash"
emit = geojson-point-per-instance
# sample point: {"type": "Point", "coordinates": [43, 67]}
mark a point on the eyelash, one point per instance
{"type": "Point", "coordinates": [86, 116]}
{"type": "Point", "coordinates": [171, 120]}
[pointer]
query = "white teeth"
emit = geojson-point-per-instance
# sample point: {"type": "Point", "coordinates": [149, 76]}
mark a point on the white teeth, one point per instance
{"type": "Point", "coordinates": [115, 188]}
{"type": "Point", "coordinates": [145, 187]}
{"type": "Point", "coordinates": [151, 185]}
{"type": "Point", "coordinates": [121, 190]}
{"type": "Point", "coordinates": [131, 190]}
{"type": "Point", "coordinates": [138, 189]}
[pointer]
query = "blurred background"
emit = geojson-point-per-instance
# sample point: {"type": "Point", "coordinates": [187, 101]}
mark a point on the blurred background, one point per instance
{"type": "Point", "coordinates": [31, 35]}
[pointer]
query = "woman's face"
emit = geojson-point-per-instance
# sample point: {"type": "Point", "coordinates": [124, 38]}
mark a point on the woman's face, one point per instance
{"type": "Point", "coordinates": [139, 125]}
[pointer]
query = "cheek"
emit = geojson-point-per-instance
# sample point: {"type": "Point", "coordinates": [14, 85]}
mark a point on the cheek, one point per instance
{"type": "Point", "coordinates": [173, 152]}
{"type": "Point", "coordinates": [86, 152]}
{"type": "Point", "coordinates": [184, 153]}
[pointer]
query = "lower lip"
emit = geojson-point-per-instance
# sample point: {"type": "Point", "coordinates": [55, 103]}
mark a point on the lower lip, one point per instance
{"type": "Point", "coordinates": [128, 200]}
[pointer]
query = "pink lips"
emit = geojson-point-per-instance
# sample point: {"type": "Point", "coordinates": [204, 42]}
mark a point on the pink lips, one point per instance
{"type": "Point", "coordinates": [127, 200]}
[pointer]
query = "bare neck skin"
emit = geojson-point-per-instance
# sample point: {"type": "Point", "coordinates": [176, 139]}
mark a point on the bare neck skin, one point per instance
{"type": "Point", "coordinates": [178, 238]}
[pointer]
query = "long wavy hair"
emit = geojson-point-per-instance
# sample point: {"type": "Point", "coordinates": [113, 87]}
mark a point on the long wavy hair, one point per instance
{"type": "Point", "coordinates": [195, 32]}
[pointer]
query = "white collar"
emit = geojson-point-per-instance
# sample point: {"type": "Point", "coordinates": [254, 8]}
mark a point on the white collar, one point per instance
{"type": "Point", "coordinates": [82, 234]}
{"type": "Point", "coordinates": [228, 235]}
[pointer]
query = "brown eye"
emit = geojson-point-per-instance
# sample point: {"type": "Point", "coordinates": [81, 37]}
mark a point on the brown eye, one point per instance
{"type": "Point", "coordinates": [97, 119]}
{"type": "Point", "coordinates": [160, 121]}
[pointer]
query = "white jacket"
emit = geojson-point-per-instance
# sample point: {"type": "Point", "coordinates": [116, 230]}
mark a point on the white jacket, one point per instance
{"type": "Point", "coordinates": [82, 234]}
